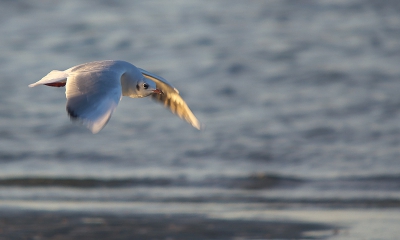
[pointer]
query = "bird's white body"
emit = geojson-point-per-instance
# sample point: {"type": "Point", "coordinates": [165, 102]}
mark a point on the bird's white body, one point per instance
{"type": "Point", "coordinates": [94, 89]}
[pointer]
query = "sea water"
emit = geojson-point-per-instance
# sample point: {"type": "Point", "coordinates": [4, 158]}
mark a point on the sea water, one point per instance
{"type": "Point", "coordinates": [299, 99]}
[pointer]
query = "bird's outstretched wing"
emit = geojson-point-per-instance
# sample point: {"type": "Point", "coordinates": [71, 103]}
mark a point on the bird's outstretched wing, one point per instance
{"type": "Point", "coordinates": [92, 97]}
{"type": "Point", "coordinates": [171, 99]}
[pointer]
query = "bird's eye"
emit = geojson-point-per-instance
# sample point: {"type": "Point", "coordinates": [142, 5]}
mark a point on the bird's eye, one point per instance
{"type": "Point", "coordinates": [145, 85]}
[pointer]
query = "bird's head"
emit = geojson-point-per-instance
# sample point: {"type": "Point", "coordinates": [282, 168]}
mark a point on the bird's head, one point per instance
{"type": "Point", "coordinates": [146, 87]}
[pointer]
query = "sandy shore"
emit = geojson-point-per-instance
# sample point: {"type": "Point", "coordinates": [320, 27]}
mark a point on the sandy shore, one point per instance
{"type": "Point", "coordinates": [40, 225]}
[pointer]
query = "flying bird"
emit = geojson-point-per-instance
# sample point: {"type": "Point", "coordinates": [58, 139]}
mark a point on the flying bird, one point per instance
{"type": "Point", "coordinates": [94, 89]}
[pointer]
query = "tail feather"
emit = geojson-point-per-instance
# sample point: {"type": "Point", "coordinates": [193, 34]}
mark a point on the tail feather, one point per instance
{"type": "Point", "coordinates": [55, 78]}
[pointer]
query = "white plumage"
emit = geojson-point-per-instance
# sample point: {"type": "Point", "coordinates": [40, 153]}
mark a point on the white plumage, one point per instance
{"type": "Point", "coordinates": [94, 89]}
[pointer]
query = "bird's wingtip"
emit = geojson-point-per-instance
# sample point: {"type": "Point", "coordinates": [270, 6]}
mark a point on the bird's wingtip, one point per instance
{"type": "Point", "coordinates": [199, 126]}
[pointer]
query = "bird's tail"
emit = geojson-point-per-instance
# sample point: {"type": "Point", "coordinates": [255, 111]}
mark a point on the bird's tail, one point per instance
{"type": "Point", "coordinates": [54, 78]}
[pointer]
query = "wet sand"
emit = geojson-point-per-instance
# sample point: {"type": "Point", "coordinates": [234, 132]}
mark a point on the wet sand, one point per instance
{"type": "Point", "coordinates": [40, 225]}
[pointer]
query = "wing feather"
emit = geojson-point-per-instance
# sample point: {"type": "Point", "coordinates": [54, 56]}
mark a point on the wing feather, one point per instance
{"type": "Point", "coordinates": [171, 99]}
{"type": "Point", "coordinates": [92, 97]}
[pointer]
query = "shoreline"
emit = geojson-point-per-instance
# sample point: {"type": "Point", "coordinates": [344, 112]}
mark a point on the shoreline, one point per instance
{"type": "Point", "coordinates": [29, 224]}
{"type": "Point", "coordinates": [194, 221]}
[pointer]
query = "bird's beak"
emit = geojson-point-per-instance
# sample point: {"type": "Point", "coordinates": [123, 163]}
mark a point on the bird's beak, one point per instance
{"type": "Point", "coordinates": [158, 91]}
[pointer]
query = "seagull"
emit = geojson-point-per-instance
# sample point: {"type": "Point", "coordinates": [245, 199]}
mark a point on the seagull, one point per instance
{"type": "Point", "coordinates": [94, 89]}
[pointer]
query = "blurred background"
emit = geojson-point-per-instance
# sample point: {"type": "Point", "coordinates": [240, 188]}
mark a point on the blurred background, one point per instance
{"type": "Point", "coordinates": [300, 100]}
